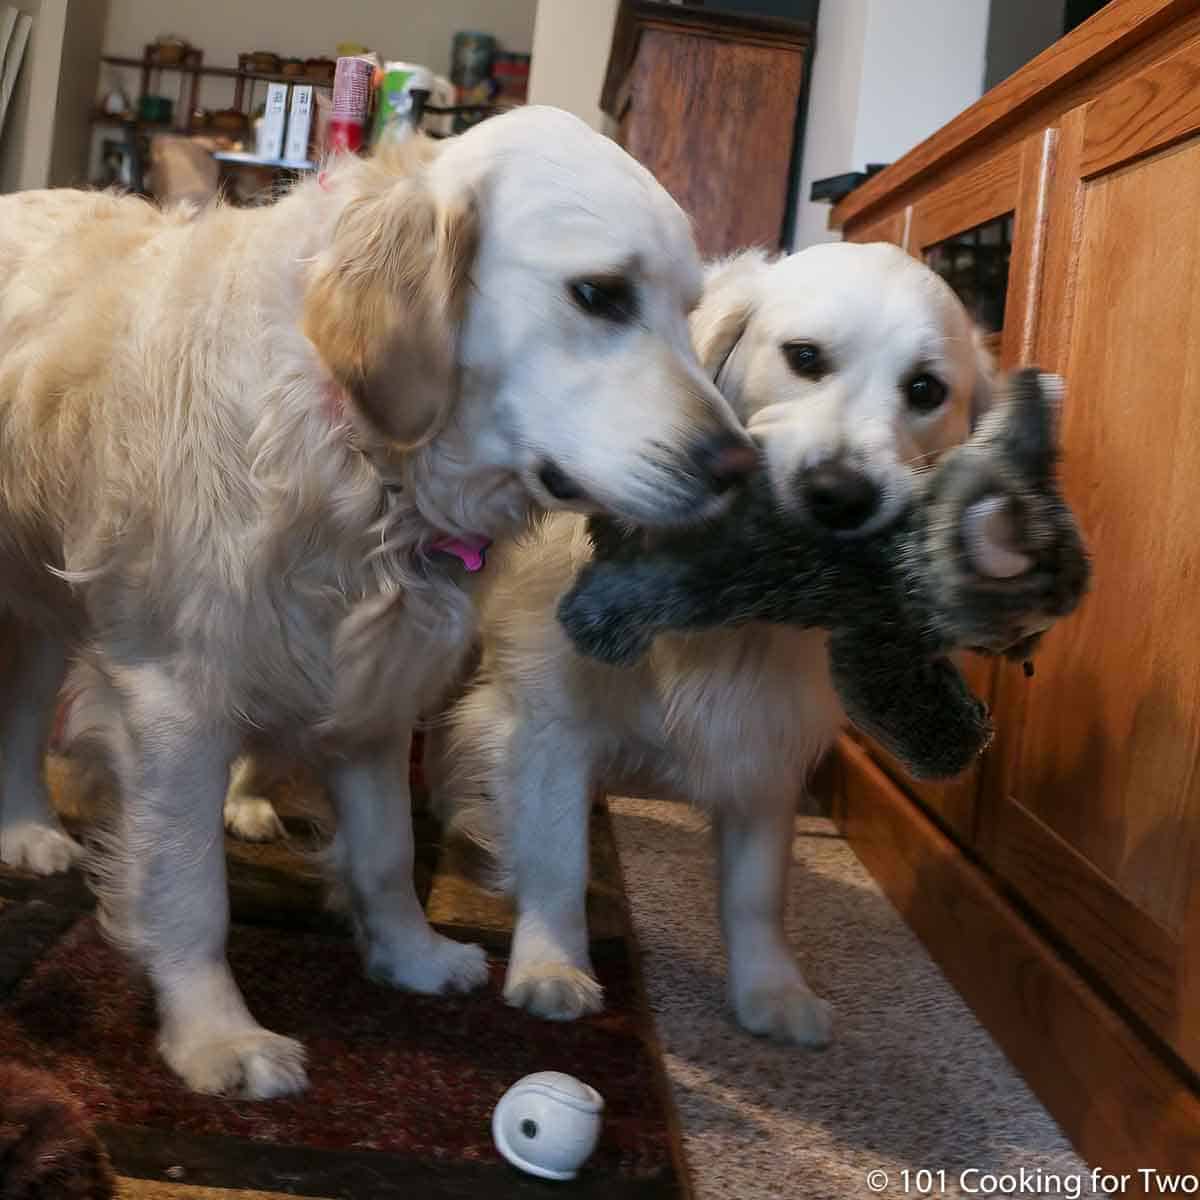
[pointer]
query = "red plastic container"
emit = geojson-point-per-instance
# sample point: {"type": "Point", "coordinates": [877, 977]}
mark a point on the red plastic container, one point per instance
{"type": "Point", "coordinates": [353, 81]}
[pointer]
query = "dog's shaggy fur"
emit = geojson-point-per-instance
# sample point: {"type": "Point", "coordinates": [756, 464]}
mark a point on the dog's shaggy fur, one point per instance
{"type": "Point", "coordinates": [229, 443]}
{"type": "Point", "coordinates": [730, 719]}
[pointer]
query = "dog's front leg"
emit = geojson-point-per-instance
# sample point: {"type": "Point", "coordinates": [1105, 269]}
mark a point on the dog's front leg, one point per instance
{"type": "Point", "coordinates": [769, 993]}
{"type": "Point", "coordinates": [374, 854]}
{"type": "Point", "coordinates": [170, 904]}
{"type": "Point", "coordinates": [547, 795]}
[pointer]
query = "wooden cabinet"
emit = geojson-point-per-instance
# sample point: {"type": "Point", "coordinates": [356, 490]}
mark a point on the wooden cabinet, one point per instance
{"type": "Point", "coordinates": [1060, 885]}
{"type": "Point", "coordinates": [709, 102]}
{"type": "Point", "coordinates": [1097, 820]}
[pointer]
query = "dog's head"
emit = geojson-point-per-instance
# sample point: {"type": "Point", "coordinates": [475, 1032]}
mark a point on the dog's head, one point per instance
{"type": "Point", "coordinates": [853, 365]}
{"type": "Point", "coordinates": [528, 286]}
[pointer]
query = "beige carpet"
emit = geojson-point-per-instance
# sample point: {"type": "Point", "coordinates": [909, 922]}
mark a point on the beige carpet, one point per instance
{"type": "Point", "coordinates": [911, 1082]}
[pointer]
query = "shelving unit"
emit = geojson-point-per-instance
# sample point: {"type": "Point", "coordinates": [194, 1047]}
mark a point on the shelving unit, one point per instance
{"type": "Point", "coordinates": [242, 159]}
{"type": "Point", "coordinates": [191, 71]}
{"type": "Point", "coordinates": [193, 66]}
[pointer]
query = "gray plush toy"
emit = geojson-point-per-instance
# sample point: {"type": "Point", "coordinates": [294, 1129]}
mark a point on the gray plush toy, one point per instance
{"type": "Point", "coordinates": [986, 557]}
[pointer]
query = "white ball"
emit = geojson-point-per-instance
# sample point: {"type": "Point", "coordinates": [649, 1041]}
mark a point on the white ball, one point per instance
{"type": "Point", "coordinates": [547, 1124]}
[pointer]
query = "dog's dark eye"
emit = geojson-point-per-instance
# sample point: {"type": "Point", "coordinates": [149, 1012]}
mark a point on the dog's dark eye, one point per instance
{"type": "Point", "coordinates": [608, 299]}
{"type": "Point", "coordinates": [924, 393]}
{"type": "Point", "coordinates": [806, 360]}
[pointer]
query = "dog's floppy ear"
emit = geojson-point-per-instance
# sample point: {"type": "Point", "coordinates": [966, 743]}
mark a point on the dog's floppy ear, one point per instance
{"type": "Point", "coordinates": [386, 298]}
{"type": "Point", "coordinates": [730, 295]}
{"type": "Point", "coordinates": [983, 394]}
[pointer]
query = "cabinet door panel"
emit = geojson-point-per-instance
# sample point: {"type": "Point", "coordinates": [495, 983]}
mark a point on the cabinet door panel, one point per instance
{"type": "Point", "coordinates": [1097, 800]}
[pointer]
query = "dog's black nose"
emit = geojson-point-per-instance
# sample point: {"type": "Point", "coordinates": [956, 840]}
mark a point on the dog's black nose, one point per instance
{"type": "Point", "coordinates": [724, 459]}
{"type": "Point", "coordinates": [838, 496]}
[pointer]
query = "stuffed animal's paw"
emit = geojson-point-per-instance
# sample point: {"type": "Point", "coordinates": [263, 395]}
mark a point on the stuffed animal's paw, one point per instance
{"type": "Point", "coordinates": [1001, 553]}
{"type": "Point", "coordinates": [610, 612]}
{"type": "Point", "coordinates": [921, 711]}
{"type": "Point", "coordinates": [980, 610]}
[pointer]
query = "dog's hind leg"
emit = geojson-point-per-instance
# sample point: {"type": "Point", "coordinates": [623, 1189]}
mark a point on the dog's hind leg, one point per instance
{"type": "Point", "coordinates": [169, 903]}
{"type": "Point", "coordinates": [768, 990]}
{"type": "Point", "coordinates": [249, 814]}
{"type": "Point", "coordinates": [32, 667]}
{"type": "Point", "coordinates": [374, 854]}
{"type": "Point", "coordinates": [549, 783]}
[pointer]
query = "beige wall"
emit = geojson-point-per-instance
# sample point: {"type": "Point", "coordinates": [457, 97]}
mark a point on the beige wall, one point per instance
{"type": "Point", "coordinates": [416, 30]}
{"type": "Point", "coordinates": [571, 41]}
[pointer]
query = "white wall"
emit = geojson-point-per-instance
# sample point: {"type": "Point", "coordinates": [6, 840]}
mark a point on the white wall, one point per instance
{"type": "Point", "coordinates": [886, 75]}
{"type": "Point", "coordinates": [416, 30]}
{"type": "Point", "coordinates": [834, 98]}
{"type": "Point", "coordinates": [27, 143]}
{"type": "Point", "coordinates": [571, 41]}
{"type": "Point", "coordinates": [82, 42]}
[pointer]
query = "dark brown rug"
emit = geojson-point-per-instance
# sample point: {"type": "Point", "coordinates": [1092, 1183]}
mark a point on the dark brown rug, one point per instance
{"type": "Point", "coordinates": [401, 1087]}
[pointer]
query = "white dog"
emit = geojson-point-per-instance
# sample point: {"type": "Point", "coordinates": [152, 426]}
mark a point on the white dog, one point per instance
{"type": "Point", "coordinates": [854, 366]}
{"type": "Point", "coordinates": [241, 453]}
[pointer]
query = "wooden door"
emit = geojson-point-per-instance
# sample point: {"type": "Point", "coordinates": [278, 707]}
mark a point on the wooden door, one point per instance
{"type": "Point", "coordinates": [985, 234]}
{"type": "Point", "coordinates": [714, 118]}
{"type": "Point", "coordinates": [1092, 808]}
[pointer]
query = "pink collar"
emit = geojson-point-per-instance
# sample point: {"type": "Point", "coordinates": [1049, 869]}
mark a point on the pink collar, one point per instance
{"type": "Point", "coordinates": [470, 551]}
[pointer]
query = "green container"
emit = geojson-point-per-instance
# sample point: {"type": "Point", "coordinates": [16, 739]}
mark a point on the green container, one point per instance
{"type": "Point", "coordinates": [403, 90]}
{"type": "Point", "coordinates": [155, 110]}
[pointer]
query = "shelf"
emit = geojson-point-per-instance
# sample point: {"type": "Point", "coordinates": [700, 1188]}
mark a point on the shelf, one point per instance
{"type": "Point", "coordinates": [135, 123]}
{"type": "Point", "coordinates": [117, 60]}
{"type": "Point", "coordinates": [242, 159]}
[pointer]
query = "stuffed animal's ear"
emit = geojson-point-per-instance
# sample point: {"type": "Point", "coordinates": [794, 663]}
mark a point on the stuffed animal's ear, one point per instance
{"type": "Point", "coordinates": [386, 298]}
{"type": "Point", "coordinates": [983, 395]}
{"type": "Point", "coordinates": [730, 297]}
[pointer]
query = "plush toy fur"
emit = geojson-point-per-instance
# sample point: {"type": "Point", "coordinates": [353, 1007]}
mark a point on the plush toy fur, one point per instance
{"type": "Point", "coordinates": [48, 1151]}
{"type": "Point", "coordinates": [986, 558]}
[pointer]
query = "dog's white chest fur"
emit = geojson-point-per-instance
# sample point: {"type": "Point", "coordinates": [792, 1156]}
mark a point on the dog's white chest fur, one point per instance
{"type": "Point", "coordinates": [738, 711]}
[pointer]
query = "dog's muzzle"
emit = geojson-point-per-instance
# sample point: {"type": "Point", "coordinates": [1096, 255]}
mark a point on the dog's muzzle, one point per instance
{"type": "Point", "coordinates": [838, 496]}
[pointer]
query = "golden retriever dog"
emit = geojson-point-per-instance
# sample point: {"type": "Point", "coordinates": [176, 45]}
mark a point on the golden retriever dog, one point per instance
{"type": "Point", "coordinates": [853, 366]}
{"type": "Point", "coordinates": [248, 461]}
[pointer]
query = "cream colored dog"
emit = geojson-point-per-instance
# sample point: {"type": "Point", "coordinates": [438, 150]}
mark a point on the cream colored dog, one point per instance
{"type": "Point", "coordinates": [239, 454]}
{"type": "Point", "coordinates": [854, 366]}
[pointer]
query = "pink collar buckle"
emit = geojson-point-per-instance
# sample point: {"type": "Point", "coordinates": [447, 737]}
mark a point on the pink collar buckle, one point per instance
{"type": "Point", "coordinates": [470, 551]}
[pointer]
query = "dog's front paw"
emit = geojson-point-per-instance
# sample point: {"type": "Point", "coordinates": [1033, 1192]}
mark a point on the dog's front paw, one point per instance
{"type": "Point", "coordinates": [556, 991]}
{"type": "Point", "coordinates": [789, 1012]}
{"type": "Point", "coordinates": [255, 1064]}
{"type": "Point", "coordinates": [439, 965]}
{"type": "Point", "coordinates": [252, 818]}
{"type": "Point", "coordinates": [42, 849]}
